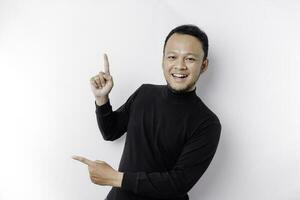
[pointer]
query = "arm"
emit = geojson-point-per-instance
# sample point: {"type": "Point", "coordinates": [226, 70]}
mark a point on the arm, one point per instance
{"type": "Point", "coordinates": [113, 124]}
{"type": "Point", "coordinates": [190, 166]}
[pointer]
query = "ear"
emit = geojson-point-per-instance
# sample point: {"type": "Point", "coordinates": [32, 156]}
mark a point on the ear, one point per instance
{"type": "Point", "coordinates": [204, 66]}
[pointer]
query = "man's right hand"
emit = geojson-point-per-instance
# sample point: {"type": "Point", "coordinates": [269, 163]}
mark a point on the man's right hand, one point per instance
{"type": "Point", "coordinates": [102, 83]}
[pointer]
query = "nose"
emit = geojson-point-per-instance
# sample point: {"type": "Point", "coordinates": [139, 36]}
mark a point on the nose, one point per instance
{"type": "Point", "coordinates": [180, 64]}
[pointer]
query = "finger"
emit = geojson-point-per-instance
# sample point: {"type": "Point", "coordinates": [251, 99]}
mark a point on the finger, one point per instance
{"type": "Point", "coordinates": [106, 64]}
{"type": "Point", "coordinates": [99, 161]}
{"type": "Point", "coordinates": [107, 77]}
{"type": "Point", "coordinates": [83, 160]}
{"type": "Point", "coordinates": [97, 80]}
{"type": "Point", "coordinates": [94, 83]}
{"type": "Point", "coordinates": [93, 179]}
{"type": "Point", "coordinates": [102, 80]}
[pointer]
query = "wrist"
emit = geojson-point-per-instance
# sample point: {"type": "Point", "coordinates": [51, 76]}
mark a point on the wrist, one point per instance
{"type": "Point", "coordinates": [117, 179]}
{"type": "Point", "coordinates": [101, 100]}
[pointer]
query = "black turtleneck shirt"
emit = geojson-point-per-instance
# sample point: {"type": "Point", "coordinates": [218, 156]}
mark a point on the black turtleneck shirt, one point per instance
{"type": "Point", "coordinates": [171, 140]}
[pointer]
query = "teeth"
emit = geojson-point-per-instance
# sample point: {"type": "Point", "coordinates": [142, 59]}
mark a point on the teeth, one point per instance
{"type": "Point", "coordinates": [179, 75]}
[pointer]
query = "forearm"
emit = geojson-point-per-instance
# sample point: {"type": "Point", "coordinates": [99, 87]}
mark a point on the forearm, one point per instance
{"type": "Point", "coordinates": [168, 184]}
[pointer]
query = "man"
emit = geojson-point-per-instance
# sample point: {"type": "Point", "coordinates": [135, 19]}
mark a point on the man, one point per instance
{"type": "Point", "coordinates": [172, 135]}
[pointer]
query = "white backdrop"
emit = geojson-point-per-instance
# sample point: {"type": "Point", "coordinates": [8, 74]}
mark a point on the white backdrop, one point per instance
{"type": "Point", "coordinates": [50, 49]}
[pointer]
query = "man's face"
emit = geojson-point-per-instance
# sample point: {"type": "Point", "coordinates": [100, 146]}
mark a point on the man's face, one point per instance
{"type": "Point", "coordinates": [183, 56]}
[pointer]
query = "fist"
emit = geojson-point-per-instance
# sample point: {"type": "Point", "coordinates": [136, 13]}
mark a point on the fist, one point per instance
{"type": "Point", "coordinates": [102, 83]}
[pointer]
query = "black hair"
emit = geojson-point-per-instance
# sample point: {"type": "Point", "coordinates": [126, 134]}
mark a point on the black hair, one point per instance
{"type": "Point", "coordinates": [193, 30]}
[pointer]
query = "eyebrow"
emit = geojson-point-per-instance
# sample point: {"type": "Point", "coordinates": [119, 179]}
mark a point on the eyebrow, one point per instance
{"type": "Point", "coordinates": [186, 53]}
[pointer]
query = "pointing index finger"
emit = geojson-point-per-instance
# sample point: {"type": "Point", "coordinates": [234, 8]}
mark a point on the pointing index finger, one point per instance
{"type": "Point", "coordinates": [83, 160]}
{"type": "Point", "coordinates": [106, 64]}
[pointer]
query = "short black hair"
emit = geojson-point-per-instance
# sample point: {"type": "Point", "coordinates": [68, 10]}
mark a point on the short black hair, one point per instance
{"type": "Point", "coordinates": [190, 29]}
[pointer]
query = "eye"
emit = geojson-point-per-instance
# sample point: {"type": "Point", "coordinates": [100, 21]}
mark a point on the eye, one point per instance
{"type": "Point", "coordinates": [191, 59]}
{"type": "Point", "coordinates": [171, 57]}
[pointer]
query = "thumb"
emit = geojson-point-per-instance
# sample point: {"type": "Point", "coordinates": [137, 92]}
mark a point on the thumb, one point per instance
{"type": "Point", "coordinates": [107, 76]}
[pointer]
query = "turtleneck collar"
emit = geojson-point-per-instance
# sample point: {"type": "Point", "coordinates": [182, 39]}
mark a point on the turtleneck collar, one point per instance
{"type": "Point", "coordinates": [179, 97]}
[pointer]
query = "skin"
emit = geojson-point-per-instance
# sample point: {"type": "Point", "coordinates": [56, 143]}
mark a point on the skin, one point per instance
{"type": "Point", "coordinates": [102, 83]}
{"type": "Point", "coordinates": [101, 173]}
{"type": "Point", "coordinates": [184, 55]}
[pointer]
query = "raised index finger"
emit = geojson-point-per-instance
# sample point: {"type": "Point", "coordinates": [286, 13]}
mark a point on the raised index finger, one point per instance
{"type": "Point", "coordinates": [106, 64]}
{"type": "Point", "coordinates": [83, 160]}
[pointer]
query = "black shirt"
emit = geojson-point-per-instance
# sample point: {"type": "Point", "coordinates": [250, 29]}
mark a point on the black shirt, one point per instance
{"type": "Point", "coordinates": [171, 140]}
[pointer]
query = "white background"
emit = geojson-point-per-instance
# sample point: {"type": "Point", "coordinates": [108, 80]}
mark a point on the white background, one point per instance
{"type": "Point", "coordinates": [50, 49]}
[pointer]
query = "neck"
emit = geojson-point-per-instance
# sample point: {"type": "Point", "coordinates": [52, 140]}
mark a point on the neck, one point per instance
{"type": "Point", "coordinates": [180, 91]}
{"type": "Point", "coordinates": [179, 96]}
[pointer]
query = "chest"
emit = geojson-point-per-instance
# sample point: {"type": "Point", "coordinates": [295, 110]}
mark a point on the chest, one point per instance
{"type": "Point", "coordinates": [164, 128]}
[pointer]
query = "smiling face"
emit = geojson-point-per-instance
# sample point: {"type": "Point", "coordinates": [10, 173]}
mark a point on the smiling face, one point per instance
{"type": "Point", "coordinates": [182, 62]}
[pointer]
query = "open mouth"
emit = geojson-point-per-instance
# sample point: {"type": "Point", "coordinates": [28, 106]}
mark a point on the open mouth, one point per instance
{"type": "Point", "coordinates": [179, 77]}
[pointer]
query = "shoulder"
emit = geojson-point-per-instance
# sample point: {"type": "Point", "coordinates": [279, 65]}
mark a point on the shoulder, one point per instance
{"type": "Point", "coordinates": [208, 122]}
{"type": "Point", "coordinates": [208, 130]}
{"type": "Point", "coordinates": [150, 88]}
{"type": "Point", "coordinates": [144, 91]}
{"type": "Point", "coordinates": [205, 113]}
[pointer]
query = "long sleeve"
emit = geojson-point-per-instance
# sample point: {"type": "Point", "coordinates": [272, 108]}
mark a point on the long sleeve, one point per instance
{"type": "Point", "coordinates": [113, 124]}
{"type": "Point", "coordinates": [193, 161]}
